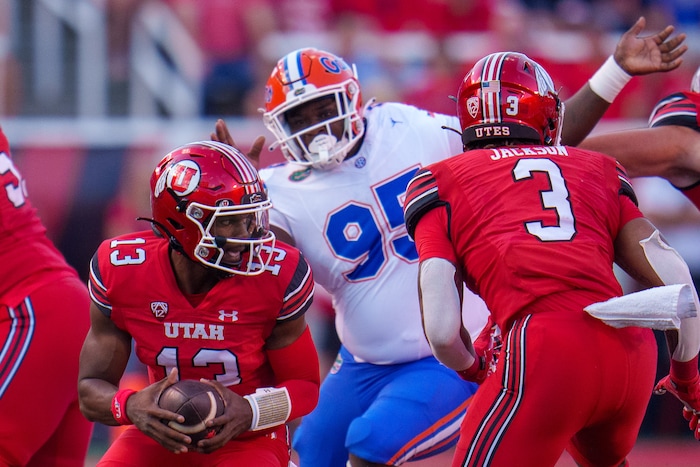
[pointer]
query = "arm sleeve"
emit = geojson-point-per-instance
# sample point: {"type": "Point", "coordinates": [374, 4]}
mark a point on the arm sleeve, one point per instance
{"type": "Point", "coordinates": [440, 299]}
{"type": "Point", "coordinates": [296, 367]}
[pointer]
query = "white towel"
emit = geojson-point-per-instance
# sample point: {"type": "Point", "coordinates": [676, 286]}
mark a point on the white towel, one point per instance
{"type": "Point", "coordinates": [659, 308]}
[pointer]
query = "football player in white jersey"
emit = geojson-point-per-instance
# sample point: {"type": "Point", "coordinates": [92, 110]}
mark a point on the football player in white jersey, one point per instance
{"type": "Point", "coordinates": [339, 199]}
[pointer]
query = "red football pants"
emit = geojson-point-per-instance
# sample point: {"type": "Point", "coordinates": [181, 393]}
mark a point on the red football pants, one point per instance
{"type": "Point", "coordinates": [40, 341]}
{"type": "Point", "coordinates": [134, 448]}
{"type": "Point", "coordinates": [564, 381]}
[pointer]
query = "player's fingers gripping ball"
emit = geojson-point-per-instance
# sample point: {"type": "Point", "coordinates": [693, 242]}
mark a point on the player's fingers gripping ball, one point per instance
{"type": "Point", "coordinates": [198, 402]}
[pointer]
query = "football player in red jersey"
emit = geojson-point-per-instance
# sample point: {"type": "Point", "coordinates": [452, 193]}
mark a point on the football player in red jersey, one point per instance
{"type": "Point", "coordinates": [348, 161]}
{"type": "Point", "coordinates": [534, 228]}
{"type": "Point", "coordinates": [669, 148]}
{"type": "Point", "coordinates": [43, 320]}
{"type": "Point", "coordinates": [208, 294]}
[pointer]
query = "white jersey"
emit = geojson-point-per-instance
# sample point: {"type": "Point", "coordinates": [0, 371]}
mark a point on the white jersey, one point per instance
{"type": "Point", "coordinates": [349, 224]}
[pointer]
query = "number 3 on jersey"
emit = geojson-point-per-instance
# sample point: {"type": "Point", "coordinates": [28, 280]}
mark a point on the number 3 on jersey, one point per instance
{"type": "Point", "coordinates": [557, 198]}
{"type": "Point", "coordinates": [356, 233]}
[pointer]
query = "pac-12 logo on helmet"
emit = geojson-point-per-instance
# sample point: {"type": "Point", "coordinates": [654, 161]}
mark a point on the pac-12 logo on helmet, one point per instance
{"type": "Point", "coordinates": [473, 106]}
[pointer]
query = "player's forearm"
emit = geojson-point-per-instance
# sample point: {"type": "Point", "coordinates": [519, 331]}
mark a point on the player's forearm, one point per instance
{"type": "Point", "coordinates": [95, 397]}
{"type": "Point", "coordinates": [442, 315]}
{"type": "Point", "coordinates": [296, 368]}
{"type": "Point", "coordinates": [453, 354]}
{"type": "Point", "coordinates": [582, 112]}
{"type": "Point", "coordinates": [672, 269]}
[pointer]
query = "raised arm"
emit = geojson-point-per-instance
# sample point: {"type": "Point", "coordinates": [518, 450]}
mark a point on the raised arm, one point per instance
{"type": "Point", "coordinates": [222, 134]}
{"type": "Point", "coordinates": [634, 55]}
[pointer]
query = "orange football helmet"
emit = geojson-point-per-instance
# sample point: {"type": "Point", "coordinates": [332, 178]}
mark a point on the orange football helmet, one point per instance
{"type": "Point", "coordinates": [300, 77]}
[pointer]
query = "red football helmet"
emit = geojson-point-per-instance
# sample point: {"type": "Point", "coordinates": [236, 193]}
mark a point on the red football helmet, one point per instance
{"type": "Point", "coordinates": [198, 183]}
{"type": "Point", "coordinates": [507, 95]}
{"type": "Point", "coordinates": [305, 75]}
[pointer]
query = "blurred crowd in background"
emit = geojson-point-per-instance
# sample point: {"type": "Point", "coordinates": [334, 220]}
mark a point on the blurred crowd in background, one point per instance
{"type": "Point", "coordinates": [221, 51]}
{"type": "Point", "coordinates": [93, 92]}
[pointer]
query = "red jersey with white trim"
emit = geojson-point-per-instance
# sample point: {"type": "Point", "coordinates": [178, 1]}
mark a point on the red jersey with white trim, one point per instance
{"type": "Point", "coordinates": [25, 250]}
{"type": "Point", "coordinates": [223, 337]}
{"type": "Point", "coordinates": [680, 109]}
{"type": "Point", "coordinates": [527, 223]}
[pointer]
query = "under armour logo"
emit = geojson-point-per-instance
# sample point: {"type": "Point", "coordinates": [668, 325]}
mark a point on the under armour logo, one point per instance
{"type": "Point", "coordinates": [233, 316]}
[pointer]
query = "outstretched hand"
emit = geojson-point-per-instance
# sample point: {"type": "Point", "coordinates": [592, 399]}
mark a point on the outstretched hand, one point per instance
{"type": "Point", "coordinates": [649, 54]}
{"type": "Point", "coordinates": [223, 135]}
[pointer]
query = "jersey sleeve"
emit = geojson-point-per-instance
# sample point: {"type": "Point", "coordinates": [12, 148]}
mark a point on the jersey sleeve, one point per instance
{"type": "Point", "coordinates": [626, 188]}
{"type": "Point", "coordinates": [679, 109]}
{"type": "Point", "coordinates": [421, 197]}
{"type": "Point", "coordinates": [300, 292]}
{"type": "Point", "coordinates": [432, 236]}
{"type": "Point", "coordinates": [97, 287]}
{"type": "Point", "coordinates": [629, 209]}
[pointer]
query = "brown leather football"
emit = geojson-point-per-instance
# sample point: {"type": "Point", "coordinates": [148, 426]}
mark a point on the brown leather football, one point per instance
{"type": "Point", "coordinates": [196, 401]}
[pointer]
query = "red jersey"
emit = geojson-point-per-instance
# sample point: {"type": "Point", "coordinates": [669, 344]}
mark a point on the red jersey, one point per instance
{"type": "Point", "coordinates": [221, 338]}
{"type": "Point", "coordinates": [528, 224]}
{"type": "Point", "coordinates": [680, 109]}
{"type": "Point", "coordinates": [25, 250]}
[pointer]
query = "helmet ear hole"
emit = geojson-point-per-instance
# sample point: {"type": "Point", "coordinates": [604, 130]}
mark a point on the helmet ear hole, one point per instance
{"type": "Point", "coordinates": [174, 224]}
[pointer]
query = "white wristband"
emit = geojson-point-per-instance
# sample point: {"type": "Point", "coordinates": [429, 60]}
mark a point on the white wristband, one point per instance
{"type": "Point", "coordinates": [609, 80]}
{"type": "Point", "coordinates": [271, 407]}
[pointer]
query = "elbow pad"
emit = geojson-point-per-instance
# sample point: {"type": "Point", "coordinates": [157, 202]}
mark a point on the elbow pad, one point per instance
{"type": "Point", "coordinates": [672, 269]}
{"type": "Point", "coordinates": [442, 312]}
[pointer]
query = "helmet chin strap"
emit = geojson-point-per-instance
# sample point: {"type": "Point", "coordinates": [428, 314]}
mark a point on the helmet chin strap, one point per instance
{"type": "Point", "coordinates": [321, 145]}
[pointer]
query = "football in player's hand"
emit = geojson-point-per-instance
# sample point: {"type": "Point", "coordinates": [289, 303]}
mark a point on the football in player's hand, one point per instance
{"type": "Point", "coordinates": [198, 402]}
